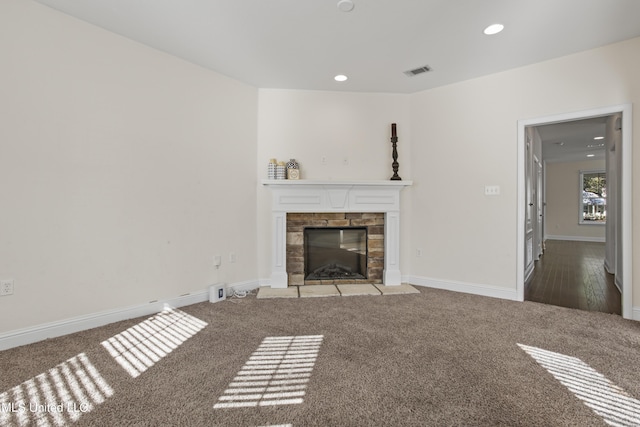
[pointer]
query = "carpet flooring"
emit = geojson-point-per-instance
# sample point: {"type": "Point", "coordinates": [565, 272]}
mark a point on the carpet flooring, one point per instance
{"type": "Point", "coordinates": [435, 358]}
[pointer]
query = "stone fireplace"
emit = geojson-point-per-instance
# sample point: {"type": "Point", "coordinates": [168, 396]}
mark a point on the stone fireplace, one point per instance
{"type": "Point", "coordinates": [348, 248]}
{"type": "Point", "coordinates": [300, 204]}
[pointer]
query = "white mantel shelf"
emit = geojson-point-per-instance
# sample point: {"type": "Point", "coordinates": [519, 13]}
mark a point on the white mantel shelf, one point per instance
{"type": "Point", "coordinates": [303, 196]}
{"type": "Point", "coordinates": [295, 182]}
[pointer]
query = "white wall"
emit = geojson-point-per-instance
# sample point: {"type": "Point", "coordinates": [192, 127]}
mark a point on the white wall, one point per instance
{"type": "Point", "coordinates": [464, 139]}
{"type": "Point", "coordinates": [563, 195]}
{"type": "Point", "coordinates": [128, 169]}
{"type": "Point", "coordinates": [124, 170]}
{"type": "Point", "coordinates": [309, 125]}
{"type": "Point", "coordinates": [464, 136]}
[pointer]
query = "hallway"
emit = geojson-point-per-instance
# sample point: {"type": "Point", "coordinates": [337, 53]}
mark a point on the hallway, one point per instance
{"type": "Point", "coordinates": [572, 274]}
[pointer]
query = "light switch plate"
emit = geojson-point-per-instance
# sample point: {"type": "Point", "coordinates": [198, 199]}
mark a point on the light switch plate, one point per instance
{"type": "Point", "coordinates": [491, 190]}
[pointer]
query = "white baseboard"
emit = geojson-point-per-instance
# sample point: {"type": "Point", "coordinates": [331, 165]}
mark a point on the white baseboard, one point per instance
{"type": "Point", "coordinates": [81, 323]}
{"type": "Point", "coordinates": [469, 288]}
{"type": "Point", "coordinates": [265, 282]}
{"type": "Point", "coordinates": [477, 289]}
{"type": "Point", "coordinates": [576, 238]}
{"type": "Point", "coordinates": [528, 272]}
{"type": "Point", "coordinates": [618, 282]}
{"type": "Point", "coordinates": [248, 285]}
{"type": "Point", "coordinates": [608, 267]}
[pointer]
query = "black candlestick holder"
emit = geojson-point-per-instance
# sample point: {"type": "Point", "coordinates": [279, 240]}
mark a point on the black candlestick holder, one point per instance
{"type": "Point", "coordinates": [395, 165]}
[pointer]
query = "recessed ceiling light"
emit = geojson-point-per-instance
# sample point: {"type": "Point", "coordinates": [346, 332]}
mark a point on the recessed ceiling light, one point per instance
{"type": "Point", "coordinates": [599, 137]}
{"type": "Point", "coordinates": [345, 5]}
{"type": "Point", "coordinates": [590, 155]}
{"type": "Point", "coordinates": [340, 78]}
{"type": "Point", "coordinates": [493, 29]}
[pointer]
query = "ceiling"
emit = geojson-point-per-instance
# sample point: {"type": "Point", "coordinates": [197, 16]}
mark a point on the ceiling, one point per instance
{"type": "Point", "coordinates": [574, 140]}
{"type": "Point", "coordinates": [303, 44]}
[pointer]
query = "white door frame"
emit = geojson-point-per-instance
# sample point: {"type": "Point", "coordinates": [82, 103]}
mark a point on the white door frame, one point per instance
{"type": "Point", "coordinates": [625, 192]}
{"type": "Point", "coordinates": [540, 196]}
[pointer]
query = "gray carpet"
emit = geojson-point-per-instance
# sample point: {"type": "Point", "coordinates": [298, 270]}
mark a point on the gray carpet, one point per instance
{"type": "Point", "coordinates": [429, 359]}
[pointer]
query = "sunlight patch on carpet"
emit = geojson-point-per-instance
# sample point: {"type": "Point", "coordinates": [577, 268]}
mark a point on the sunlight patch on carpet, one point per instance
{"type": "Point", "coordinates": [61, 395]}
{"type": "Point", "coordinates": [57, 397]}
{"type": "Point", "coordinates": [277, 373]}
{"type": "Point", "coordinates": [143, 345]}
{"type": "Point", "coordinates": [613, 404]}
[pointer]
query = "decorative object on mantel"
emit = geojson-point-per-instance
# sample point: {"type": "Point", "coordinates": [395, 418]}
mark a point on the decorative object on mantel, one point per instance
{"type": "Point", "coordinates": [271, 169]}
{"type": "Point", "coordinates": [293, 169]}
{"type": "Point", "coordinates": [395, 164]}
{"type": "Point", "coordinates": [281, 171]}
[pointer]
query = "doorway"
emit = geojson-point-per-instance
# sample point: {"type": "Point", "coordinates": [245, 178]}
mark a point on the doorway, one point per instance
{"type": "Point", "coordinates": [531, 206]}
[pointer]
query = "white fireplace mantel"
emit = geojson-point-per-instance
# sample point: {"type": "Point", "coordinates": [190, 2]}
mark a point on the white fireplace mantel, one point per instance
{"type": "Point", "coordinates": [300, 196]}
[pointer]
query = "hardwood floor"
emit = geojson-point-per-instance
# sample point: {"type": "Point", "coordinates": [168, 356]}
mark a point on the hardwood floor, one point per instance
{"type": "Point", "coordinates": [572, 274]}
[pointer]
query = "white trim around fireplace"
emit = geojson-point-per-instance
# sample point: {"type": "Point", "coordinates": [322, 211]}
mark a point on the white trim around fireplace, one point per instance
{"type": "Point", "coordinates": [300, 196]}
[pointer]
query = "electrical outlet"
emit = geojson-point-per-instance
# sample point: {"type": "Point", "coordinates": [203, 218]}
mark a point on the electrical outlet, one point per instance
{"type": "Point", "coordinates": [217, 292]}
{"type": "Point", "coordinates": [233, 257]}
{"type": "Point", "coordinates": [418, 252]}
{"type": "Point", "coordinates": [6, 287]}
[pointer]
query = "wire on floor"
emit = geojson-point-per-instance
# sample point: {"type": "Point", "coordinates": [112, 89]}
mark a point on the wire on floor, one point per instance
{"type": "Point", "coordinates": [238, 293]}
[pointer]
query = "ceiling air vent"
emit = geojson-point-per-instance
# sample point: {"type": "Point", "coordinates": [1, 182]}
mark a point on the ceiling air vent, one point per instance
{"type": "Point", "coordinates": [417, 71]}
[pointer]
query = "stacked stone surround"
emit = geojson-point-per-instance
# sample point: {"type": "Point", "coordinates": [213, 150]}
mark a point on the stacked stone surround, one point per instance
{"type": "Point", "coordinates": [296, 222]}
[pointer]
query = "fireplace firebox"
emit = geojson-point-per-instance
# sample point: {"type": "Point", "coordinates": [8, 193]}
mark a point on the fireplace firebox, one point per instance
{"type": "Point", "coordinates": [350, 251]}
{"type": "Point", "coordinates": [334, 253]}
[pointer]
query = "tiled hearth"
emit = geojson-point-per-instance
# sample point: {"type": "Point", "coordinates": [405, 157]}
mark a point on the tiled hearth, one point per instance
{"type": "Point", "coordinates": [296, 222]}
{"type": "Point", "coordinates": [335, 197]}
{"type": "Point", "coordinates": [315, 291]}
